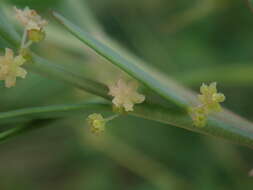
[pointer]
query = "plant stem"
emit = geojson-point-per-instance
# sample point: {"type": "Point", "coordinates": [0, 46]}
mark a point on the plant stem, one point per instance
{"type": "Point", "coordinates": [54, 71]}
{"type": "Point", "coordinates": [112, 117]}
{"type": "Point", "coordinates": [28, 44]}
{"type": "Point", "coordinates": [23, 40]}
{"type": "Point", "coordinates": [54, 111]}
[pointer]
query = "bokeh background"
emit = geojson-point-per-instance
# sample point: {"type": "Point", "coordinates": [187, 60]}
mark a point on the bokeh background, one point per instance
{"type": "Point", "coordinates": [191, 41]}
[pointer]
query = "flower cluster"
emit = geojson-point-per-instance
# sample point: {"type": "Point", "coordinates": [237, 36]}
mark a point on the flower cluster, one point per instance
{"type": "Point", "coordinates": [210, 101]}
{"type": "Point", "coordinates": [33, 24]}
{"type": "Point", "coordinates": [10, 65]}
{"type": "Point", "coordinates": [30, 19]}
{"type": "Point", "coordinates": [125, 95]}
{"type": "Point", "coordinates": [10, 68]}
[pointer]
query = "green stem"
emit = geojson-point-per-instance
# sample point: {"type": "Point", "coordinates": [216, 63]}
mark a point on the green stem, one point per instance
{"type": "Point", "coordinates": [111, 117]}
{"type": "Point", "coordinates": [23, 40]}
{"type": "Point", "coordinates": [28, 44]}
{"type": "Point", "coordinates": [54, 71]}
{"type": "Point", "coordinates": [147, 111]}
{"type": "Point", "coordinates": [55, 110]}
{"type": "Point", "coordinates": [12, 133]}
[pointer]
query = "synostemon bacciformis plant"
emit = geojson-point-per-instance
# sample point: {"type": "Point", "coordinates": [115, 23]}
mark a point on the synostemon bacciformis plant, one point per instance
{"type": "Point", "coordinates": [136, 94]}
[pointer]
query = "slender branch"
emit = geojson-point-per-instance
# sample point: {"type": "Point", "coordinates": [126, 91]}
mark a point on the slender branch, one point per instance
{"type": "Point", "coordinates": [54, 71]}
{"type": "Point", "coordinates": [27, 127]}
{"type": "Point", "coordinates": [55, 110]}
{"type": "Point", "coordinates": [146, 111]}
{"type": "Point", "coordinates": [112, 117]}
{"type": "Point", "coordinates": [23, 40]}
{"type": "Point", "coordinates": [28, 44]}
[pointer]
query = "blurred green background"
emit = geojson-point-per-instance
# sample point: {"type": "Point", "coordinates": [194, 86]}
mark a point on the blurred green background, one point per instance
{"type": "Point", "coordinates": [192, 41]}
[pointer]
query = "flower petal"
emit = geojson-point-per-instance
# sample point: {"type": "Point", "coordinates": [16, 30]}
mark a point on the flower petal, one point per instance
{"type": "Point", "coordinates": [21, 72]}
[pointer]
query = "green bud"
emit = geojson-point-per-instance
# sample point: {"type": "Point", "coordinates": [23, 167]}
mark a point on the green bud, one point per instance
{"type": "Point", "coordinates": [200, 120]}
{"type": "Point", "coordinates": [26, 53]}
{"type": "Point", "coordinates": [118, 110]}
{"type": "Point", "coordinates": [36, 35]}
{"type": "Point", "coordinates": [96, 123]}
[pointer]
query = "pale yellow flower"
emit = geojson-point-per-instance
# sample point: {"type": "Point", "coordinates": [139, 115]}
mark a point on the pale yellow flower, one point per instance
{"type": "Point", "coordinates": [96, 123]}
{"type": "Point", "coordinates": [210, 98]}
{"type": "Point", "coordinates": [10, 68]}
{"type": "Point", "coordinates": [30, 19]}
{"type": "Point", "coordinates": [125, 95]}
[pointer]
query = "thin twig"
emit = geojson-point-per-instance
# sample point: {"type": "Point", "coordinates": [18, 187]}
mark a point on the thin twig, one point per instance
{"type": "Point", "coordinates": [23, 39]}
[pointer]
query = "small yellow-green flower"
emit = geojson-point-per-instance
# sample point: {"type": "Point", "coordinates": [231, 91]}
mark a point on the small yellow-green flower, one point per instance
{"type": "Point", "coordinates": [210, 101]}
{"type": "Point", "coordinates": [30, 19]}
{"type": "Point", "coordinates": [36, 35]}
{"type": "Point", "coordinates": [96, 123]}
{"type": "Point", "coordinates": [10, 68]}
{"type": "Point", "coordinates": [125, 95]}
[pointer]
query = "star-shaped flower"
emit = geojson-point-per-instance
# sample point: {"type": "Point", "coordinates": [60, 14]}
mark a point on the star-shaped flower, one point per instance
{"type": "Point", "coordinates": [10, 68]}
{"type": "Point", "coordinates": [125, 95]}
{"type": "Point", "coordinates": [210, 98]}
{"type": "Point", "coordinates": [30, 19]}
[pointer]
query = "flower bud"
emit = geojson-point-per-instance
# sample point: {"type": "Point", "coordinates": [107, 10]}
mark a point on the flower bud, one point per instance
{"type": "Point", "coordinates": [36, 35]}
{"type": "Point", "coordinates": [96, 123]}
